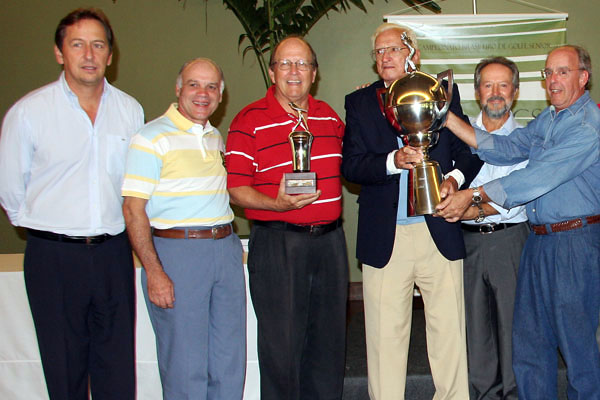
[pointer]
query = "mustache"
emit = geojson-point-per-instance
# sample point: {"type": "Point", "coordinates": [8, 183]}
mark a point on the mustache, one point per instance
{"type": "Point", "coordinates": [494, 98]}
{"type": "Point", "coordinates": [496, 113]}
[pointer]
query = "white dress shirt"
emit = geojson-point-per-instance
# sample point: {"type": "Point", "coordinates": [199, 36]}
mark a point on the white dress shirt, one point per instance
{"type": "Point", "coordinates": [490, 172]}
{"type": "Point", "coordinates": [58, 171]}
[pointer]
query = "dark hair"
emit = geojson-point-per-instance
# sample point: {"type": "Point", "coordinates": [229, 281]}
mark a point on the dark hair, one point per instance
{"type": "Point", "coordinates": [79, 15]}
{"type": "Point", "coordinates": [274, 51]}
{"type": "Point", "coordinates": [497, 60]}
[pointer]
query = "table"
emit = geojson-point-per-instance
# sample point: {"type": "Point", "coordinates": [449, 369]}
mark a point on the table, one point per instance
{"type": "Point", "coordinates": [21, 375]}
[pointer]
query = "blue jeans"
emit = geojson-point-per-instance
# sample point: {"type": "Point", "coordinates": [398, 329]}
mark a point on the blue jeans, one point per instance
{"type": "Point", "coordinates": [557, 305]}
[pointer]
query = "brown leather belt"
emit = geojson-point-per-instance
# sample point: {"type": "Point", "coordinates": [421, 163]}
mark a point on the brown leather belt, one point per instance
{"type": "Point", "coordinates": [565, 225]}
{"type": "Point", "coordinates": [217, 232]}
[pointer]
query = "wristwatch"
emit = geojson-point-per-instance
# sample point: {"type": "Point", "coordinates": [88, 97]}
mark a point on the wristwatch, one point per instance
{"type": "Point", "coordinates": [477, 203]}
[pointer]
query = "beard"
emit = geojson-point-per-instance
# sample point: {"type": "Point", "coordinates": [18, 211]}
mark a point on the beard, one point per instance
{"type": "Point", "coordinates": [496, 113]}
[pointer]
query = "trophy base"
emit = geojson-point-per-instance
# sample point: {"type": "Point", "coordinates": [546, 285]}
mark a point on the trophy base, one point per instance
{"type": "Point", "coordinates": [300, 182]}
{"type": "Point", "coordinates": [427, 178]}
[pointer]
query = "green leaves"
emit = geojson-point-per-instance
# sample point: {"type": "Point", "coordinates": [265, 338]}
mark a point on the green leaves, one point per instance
{"type": "Point", "coordinates": [265, 24]}
{"type": "Point", "coordinates": [270, 21]}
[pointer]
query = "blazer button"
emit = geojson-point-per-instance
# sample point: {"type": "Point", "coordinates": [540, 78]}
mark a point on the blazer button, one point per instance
{"type": "Point", "coordinates": [395, 205]}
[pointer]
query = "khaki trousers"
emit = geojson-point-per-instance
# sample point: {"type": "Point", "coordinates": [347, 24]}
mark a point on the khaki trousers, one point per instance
{"type": "Point", "coordinates": [388, 294]}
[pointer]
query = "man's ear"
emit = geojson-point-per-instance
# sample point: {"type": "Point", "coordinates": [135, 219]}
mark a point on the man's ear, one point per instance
{"type": "Point", "coordinates": [583, 78]}
{"type": "Point", "coordinates": [272, 75]}
{"type": "Point", "coordinates": [58, 55]}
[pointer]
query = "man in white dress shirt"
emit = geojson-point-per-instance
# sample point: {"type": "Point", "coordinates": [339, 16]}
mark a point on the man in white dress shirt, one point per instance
{"type": "Point", "coordinates": [494, 239]}
{"type": "Point", "coordinates": [62, 157]}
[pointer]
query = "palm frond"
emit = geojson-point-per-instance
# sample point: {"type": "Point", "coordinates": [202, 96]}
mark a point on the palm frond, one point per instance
{"type": "Point", "coordinates": [272, 20]}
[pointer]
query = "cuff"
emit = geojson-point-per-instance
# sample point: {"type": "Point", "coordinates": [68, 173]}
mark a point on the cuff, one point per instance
{"type": "Point", "coordinates": [390, 165]}
{"type": "Point", "coordinates": [457, 175]}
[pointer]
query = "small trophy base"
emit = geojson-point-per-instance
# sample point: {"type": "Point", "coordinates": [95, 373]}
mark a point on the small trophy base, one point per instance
{"type": "Point", "coordinates": [300, 182]}
{"type": "Point", "coordinates": [427, 178]}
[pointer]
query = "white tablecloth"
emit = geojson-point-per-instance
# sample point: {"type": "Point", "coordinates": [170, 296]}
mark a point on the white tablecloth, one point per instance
{"type": "Point", "coordinates": [21, 375]}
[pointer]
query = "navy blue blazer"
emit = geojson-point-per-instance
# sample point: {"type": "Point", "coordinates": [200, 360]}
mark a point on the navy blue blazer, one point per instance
{"type": "Point", "coordinates": [368, 140]}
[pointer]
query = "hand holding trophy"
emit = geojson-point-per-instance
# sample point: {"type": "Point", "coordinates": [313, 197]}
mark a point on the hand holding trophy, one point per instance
{"type": "Point", "coordinates": [301, 180]}
{"type": "Point", "coordinates": [416, 106]}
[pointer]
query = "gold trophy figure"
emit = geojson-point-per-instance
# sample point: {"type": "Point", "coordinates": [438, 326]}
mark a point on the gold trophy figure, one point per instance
{"type": "Point", "coordinates": [301, 180]}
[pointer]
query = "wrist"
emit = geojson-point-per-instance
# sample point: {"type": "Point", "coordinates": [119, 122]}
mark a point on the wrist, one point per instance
{"type": "Point", "coordinates": [476, 200]}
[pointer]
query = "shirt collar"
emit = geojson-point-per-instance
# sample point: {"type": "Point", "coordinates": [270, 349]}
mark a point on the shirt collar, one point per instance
{"type": "Point", "coordinates": [575, 107]}
{"type": "Point", "coordinates": [184, 124]}
{"type": "Point", "coordinates": [274, 106]}
{"type": "Point", "coordinates": [509, 125]}
{"type": "Point", "coordinates": [71, 95]}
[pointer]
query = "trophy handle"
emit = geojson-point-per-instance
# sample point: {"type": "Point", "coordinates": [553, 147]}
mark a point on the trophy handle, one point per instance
{"type": "Point", "coordinates": [381, 97]}
{"type": "Point", "coordinates": [409, 64]}
{"type": "Point", "coordinates": [450, 75]}
{"type": "Point", "coordinates": [387, 111]}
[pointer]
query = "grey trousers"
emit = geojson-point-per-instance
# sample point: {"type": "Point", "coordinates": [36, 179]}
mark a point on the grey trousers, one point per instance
{"type": "Point", "coordinates": [201, 341]}
{"type": "Point", "coordinates": [490, 279]}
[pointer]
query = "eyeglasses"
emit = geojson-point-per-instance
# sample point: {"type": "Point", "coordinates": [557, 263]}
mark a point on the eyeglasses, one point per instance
{"type": "Point", "coordinates": [285, 65]}
{"type": "Point", "coordinates": [393, 50]}
{"type": "Point", "coordinates": [562, 72]}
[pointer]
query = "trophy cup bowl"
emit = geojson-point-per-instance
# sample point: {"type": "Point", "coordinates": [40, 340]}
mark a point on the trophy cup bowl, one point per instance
{"type": "Point", "coordinates": [417, 105]}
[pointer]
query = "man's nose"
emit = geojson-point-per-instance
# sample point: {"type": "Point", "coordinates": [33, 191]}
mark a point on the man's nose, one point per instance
{"type": "Point", "coordinates": [88, 53]}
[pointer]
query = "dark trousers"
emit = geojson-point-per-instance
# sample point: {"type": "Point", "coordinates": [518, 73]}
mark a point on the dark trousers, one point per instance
{"type": "Point", "coordinates": [490, 279]}
{"type": "Point", "coordinates": [557, 306]}
{"type": "Point", "coordinates": [82, 299]}
{"type": "Point", "coordinates": [299, 285]}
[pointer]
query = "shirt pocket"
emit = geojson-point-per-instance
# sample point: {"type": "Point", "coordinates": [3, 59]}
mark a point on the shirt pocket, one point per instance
{"type": "Point", "coordinates": [116, 147]}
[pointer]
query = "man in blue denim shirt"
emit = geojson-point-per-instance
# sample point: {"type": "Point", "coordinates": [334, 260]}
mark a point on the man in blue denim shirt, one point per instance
{"type": "Point", "coordinates": [558, 295]}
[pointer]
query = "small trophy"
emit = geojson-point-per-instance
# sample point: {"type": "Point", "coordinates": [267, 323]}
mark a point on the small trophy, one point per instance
{"type": "Point", "coordinates": [416, 106]}
{"type": "Point", "coordinates": [301, 180]}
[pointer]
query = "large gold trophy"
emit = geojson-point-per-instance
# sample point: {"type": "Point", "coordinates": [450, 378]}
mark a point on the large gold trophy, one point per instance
{"type": "Point", "coordinates": [301, 180]}
{"type": "Point", "coordinates": [416, 105]}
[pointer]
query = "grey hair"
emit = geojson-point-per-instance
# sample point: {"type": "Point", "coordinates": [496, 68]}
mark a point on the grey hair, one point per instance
{"type": "Point", "coordinates": [585, 62]}
{"type": "Point", "coordinates": [496, 60]}
{"type": "Point", "coordinates": [179, 81]}
{"type": "Point", "coordinates": [400, 28]}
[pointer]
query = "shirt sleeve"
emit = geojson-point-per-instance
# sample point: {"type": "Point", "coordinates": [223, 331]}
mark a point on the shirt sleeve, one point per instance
{"type": "Point", "coordinates": [16, 154]}
{"type": "Point", "coordinates": [143, 168]}
{"type": "Point", "coordinates": [572, 149]}
{"type": "Point", "coordinates": [240, 153]}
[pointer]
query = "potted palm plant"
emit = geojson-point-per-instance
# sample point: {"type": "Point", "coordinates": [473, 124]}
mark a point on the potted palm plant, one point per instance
{"type": "Point", "coordinates": [266, 22]}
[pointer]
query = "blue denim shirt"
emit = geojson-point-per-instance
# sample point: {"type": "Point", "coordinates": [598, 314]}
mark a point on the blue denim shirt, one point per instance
{"type": "Point", "coordinates": [562, 179]}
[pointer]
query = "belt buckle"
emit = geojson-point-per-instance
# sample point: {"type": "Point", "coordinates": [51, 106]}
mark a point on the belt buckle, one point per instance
{"type": "Point", "coordinates": [214, 230]}
{"type": "Point", "coordinates": [315, 230]}
{"type": "Point", "coordinates": [486, 229]}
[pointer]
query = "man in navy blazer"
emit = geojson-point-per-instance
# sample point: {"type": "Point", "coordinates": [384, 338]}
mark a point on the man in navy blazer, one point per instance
{"type": "Point", "coordinates": [398, 251]}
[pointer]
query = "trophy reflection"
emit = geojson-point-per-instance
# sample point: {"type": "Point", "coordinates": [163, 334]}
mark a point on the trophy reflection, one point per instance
{"type": "Point", "coordinates": [416, 106]}
{"type": "Point", "coordinates": [301, 180]}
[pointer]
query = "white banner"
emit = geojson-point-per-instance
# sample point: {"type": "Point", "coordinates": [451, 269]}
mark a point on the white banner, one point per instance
{"type": "Point", "coordinates": [459, 42]}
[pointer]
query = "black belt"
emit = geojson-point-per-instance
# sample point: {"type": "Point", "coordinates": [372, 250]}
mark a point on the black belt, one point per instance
{"type": "Point", "coordinates": [57, 237]}
{"type": "Point", "coordinates": [487, 228]}
{"type": "Point", "coordinates": [313, 230]}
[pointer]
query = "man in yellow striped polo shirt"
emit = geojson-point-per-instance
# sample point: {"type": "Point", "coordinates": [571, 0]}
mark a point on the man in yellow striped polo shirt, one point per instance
{"type": "Point", "coordinates": [178, 219]}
